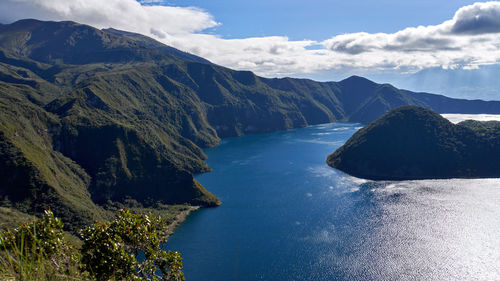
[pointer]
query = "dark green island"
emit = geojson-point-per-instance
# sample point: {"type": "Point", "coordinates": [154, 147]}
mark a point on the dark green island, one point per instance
{"type": "Point", "coordinates": [410, 142]}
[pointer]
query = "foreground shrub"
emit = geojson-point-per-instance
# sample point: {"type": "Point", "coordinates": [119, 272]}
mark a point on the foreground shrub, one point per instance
{"type": "Point", "coordinates": [129, 248]}
{"type": "Point", "coordinates": [37, 251]}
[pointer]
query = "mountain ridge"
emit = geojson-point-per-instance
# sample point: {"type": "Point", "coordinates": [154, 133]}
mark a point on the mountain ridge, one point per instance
{"type": "Point", "coordinates": [132, 115]}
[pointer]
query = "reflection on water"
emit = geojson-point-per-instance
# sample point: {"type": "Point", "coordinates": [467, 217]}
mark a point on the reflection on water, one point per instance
{"type": "Point", "coordinates": [439, 230]}
{"type": "Point", "coordinates": [288, 216]}
{"type": "Point", "coordinates": [456, 118]}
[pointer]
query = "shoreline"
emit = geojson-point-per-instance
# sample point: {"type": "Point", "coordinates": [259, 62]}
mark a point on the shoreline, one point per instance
{"type": "Point", "coordinates": [180, 218]}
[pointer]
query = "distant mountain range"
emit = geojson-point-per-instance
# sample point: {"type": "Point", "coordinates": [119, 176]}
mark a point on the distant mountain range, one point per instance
{"type": "Point", "coordinates": [412, 142]}
{"type": "Point", "coordinates": [90, 115]}
{"type": "Point", "coordinates": [482, 83]}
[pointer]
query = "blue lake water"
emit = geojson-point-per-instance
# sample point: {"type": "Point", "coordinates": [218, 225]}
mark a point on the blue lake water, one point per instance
{"type": "Point", "coordinates": [286, 215]}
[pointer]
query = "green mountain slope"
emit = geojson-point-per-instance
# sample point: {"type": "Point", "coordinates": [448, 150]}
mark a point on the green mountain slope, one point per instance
{"type": "Point", "coordinates": [412, 142]}
{"type": "Point", "coordinates": [94, 115]}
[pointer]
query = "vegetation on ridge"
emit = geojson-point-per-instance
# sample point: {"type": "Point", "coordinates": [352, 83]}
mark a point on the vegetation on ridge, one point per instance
{"type": "Point", "coordinates": [417, 143]}
{"type": "Point", "coordinates": [90, 116]}
{"type": "Point", "coordinates": [126, 248]}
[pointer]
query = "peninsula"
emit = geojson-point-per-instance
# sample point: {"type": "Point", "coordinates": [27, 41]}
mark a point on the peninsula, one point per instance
{"type": "Point", "coordinates": [412, 142]}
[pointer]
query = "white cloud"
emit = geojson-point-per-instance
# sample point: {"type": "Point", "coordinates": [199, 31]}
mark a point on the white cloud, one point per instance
{"type": "Point", "coordinates": [470, 39]}
{"type": "Point", "coordinates": [477, 19]}
{"type": "Point", "coordinates": [128, 15]}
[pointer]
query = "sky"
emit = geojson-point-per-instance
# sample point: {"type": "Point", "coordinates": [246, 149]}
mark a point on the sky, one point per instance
{"type": "Point", "coordinates": [318, 39]}
{"type": "Point", "coordinates": [320, 19]}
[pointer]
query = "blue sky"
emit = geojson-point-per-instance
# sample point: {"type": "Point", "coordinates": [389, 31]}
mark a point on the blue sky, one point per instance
{"type": "Point", "coordinates": [320, 19]}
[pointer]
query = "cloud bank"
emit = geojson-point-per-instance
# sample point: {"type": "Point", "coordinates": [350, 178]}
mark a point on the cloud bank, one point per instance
{"type": "Point", "coordinates": [468, 40]}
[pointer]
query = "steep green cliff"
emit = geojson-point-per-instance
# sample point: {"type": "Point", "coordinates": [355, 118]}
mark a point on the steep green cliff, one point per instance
{"type": "Point", "coordinates": [94, 115]}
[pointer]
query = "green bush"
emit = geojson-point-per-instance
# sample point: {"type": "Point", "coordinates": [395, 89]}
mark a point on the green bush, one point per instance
{"type": "Point", "coordinates": [44, 235]}
{"type": "Point", "coordinates": [38, 251]}
{"type": "Point", "coordinates": [129, 247]}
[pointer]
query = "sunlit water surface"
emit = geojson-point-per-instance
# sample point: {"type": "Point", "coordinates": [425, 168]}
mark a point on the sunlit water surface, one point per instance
{"type": "Point", "coordinates": [456, 118]}
{"type": "Point", "coordinates": [286, 215]}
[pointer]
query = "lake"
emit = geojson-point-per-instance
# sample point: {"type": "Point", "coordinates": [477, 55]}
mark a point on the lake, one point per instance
{"type": "Point", "coordinates": [286, 215]}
